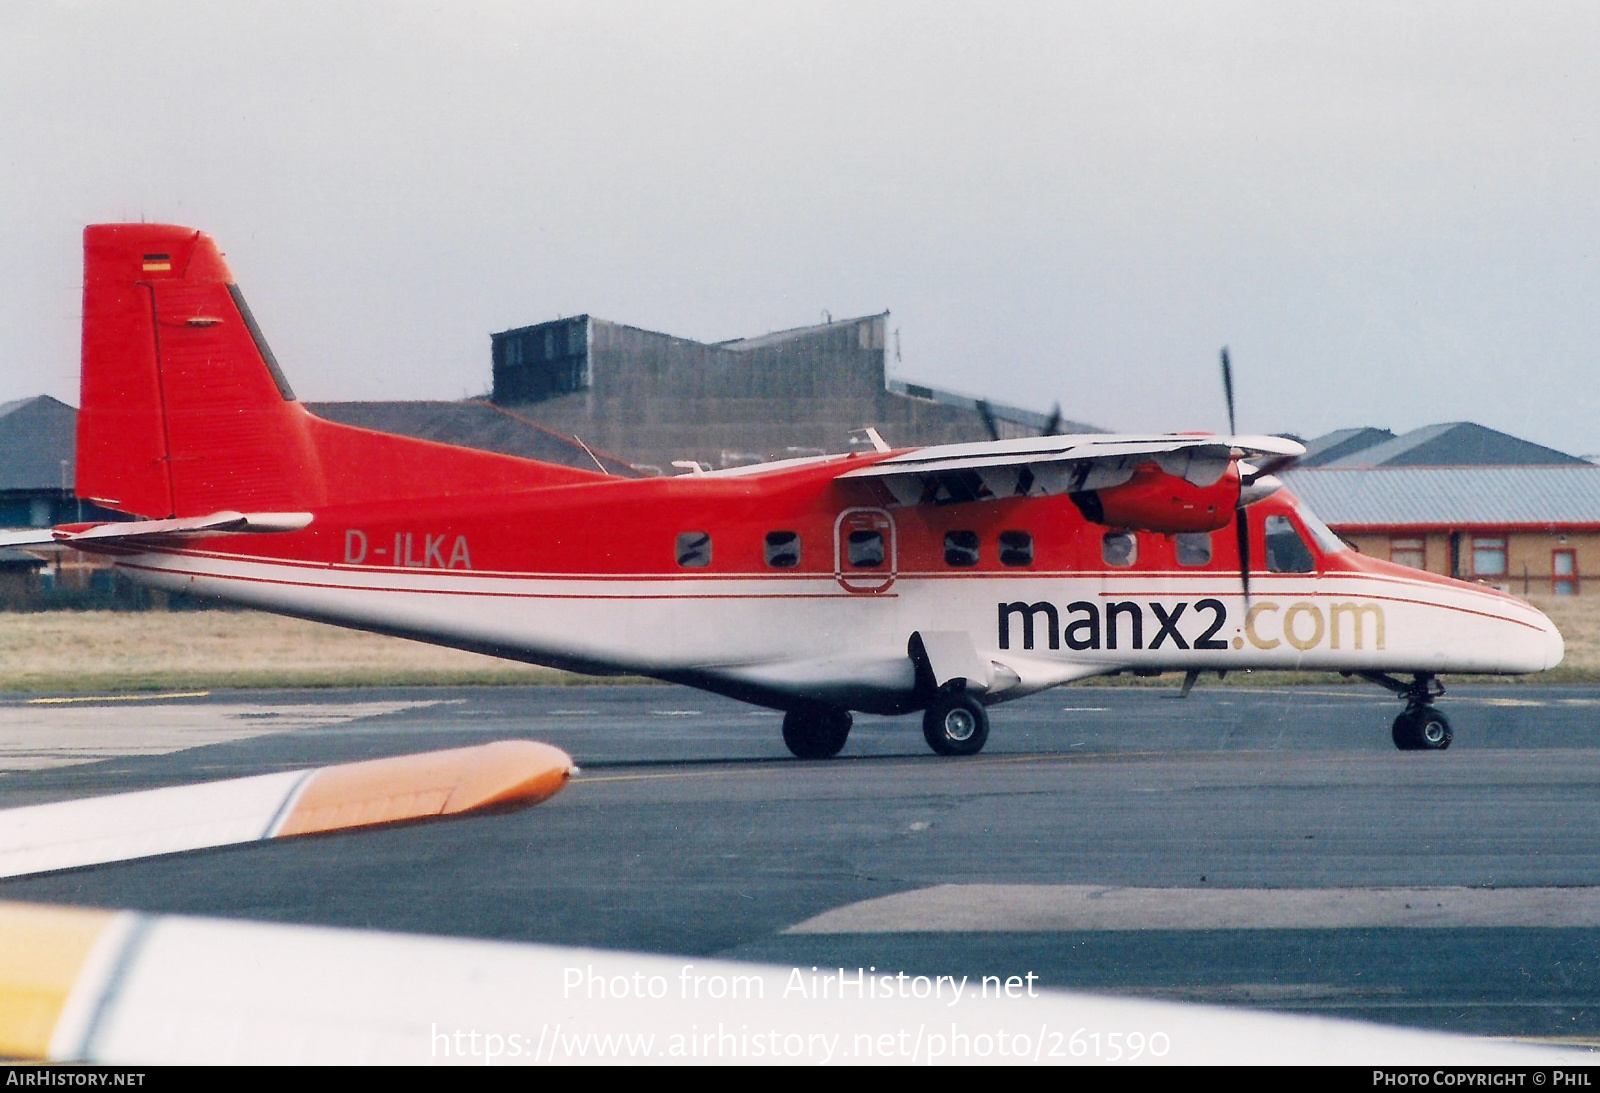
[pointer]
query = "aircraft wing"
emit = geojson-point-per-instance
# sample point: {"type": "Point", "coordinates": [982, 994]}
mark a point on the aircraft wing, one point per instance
{"type": "Point", "coordinates": [72, 535]}
{"type": "Point", "coordinates": [95, 830]}
{"type": "Point", "coordinates": [127, 989]}
{"type": "Point", "coordinates": [1037, 466]}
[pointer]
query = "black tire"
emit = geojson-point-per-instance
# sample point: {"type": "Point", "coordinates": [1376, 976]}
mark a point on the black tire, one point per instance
{"type": "Point", "coordinates": [816, 732]}
{"type": "Point", "coordinates": [1404, 731]}
{"type": "Point", "coordinates": [956, 725]}
{"type": "Point", "coordinates": [1422, 728]}
{"type": "Point", "coordinates": [1433, 731]}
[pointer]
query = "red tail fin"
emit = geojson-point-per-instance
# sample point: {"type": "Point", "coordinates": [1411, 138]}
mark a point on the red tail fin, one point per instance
{"type": "Point", "coordinates": [185, 411]}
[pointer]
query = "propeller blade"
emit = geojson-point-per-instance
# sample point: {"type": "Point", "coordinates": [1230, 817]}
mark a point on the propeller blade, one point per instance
{"type": "Point", "coordinates": [1227, 389]}
{"type": "Point", "coordinates": [1265, 467]}
{"type": "Point", "coordinates": [1241, 529]}
{"type": "Point", "coordinates": [1053, 426]}
{"type": "Point", "coordinates": [988, 419]}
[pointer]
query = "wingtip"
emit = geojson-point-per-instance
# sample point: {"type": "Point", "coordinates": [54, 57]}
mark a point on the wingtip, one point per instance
{"type": "Point", "coordinates": [505, 775]}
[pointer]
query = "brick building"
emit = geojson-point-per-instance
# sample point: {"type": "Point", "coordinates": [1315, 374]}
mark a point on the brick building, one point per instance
{"type": "Point", "coordinates": [1461, 500]}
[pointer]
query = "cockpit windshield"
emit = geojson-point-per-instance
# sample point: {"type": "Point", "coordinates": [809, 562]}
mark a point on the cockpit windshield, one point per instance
{"type": "Point", "coordinates": [1327, 541]}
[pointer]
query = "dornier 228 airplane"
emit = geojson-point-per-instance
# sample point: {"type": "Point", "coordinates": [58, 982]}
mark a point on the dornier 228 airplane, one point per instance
{"type": "Point", "coordinates": [942, 579]}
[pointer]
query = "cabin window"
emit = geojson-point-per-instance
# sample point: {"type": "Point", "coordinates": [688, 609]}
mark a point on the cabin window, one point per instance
{"type": "Point", "coordinates": [1286, 551]}
{"type": "Point", "coordinates": [1016, 548]}
{"type": "Point", "coordinates": [1564, 568]}
{"type": "Point", "coordinates": [1488, 557]}
{"type": "Point", "coordinates": [865, 549]}
{"type": "Point", "coordinates": [961, 548]}
{"type": "Point", "coordinates": [1194, 547]}
{"type": "Point", "coordinates": [1119, 548]}
{"type": "Point", "coordinates": [1411, 552]}
{"type": "Point", "coordinates": [694, 549]}
{"type": "Point", "coordinates": [783, 549]}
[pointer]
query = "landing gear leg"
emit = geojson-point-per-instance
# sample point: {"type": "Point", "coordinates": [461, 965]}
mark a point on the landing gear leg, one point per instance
{"type": "Point", "coordinates": [955, 724]}
{"type": "Point", "coordinates": [1419, 727]}
{"type": "Point", "coordinates": [816, 731]}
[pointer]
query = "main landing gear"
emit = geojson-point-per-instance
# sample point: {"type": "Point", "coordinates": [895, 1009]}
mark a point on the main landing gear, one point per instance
{"type": "Point", "coordinates": [1419, 727]}
{"type": "Point", "coordinates": [815, 731]}
{"type": "Point", "coordinates": [955, 723]}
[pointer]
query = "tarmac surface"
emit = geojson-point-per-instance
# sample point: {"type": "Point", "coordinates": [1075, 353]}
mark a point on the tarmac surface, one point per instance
{"type": "Point", "coordinates": [1251, 839]}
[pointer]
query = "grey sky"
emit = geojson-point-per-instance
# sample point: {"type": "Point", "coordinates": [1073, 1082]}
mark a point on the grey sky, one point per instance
{"type": "Point", "coordinates": [1388, 211]}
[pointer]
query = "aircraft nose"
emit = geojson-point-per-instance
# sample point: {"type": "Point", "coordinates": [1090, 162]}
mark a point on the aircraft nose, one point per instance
{"type": "Point", "coordinates": [1554, 647]}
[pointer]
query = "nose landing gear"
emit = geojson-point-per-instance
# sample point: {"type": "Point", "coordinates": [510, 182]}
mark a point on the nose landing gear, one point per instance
{"type": "Point", "coordinates": [1419, 727]}
{"type": "Point", "coordinates": [1422, 728]}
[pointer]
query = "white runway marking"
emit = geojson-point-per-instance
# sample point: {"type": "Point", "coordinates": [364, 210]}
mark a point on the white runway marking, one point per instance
{"type": "Point", "coordinates": [1023, 908]}
{"type": "Point", "coordinates": [37, 737]}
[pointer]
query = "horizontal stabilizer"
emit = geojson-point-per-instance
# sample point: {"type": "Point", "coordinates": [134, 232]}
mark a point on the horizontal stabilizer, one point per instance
{"type": "Point", "coordinates": [97, 830]}
{"type": "Point", "coordinates": [74, 535]}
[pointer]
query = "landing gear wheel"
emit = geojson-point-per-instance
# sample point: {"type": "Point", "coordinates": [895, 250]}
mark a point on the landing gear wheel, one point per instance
{"type": "Point", "coordinates": [956, 724]}
{"type": "Point", "coordinates": [1422, 728]}
{"type": "Point", "coordinates": [816, 732]}
{"type": "Point", "coordinates": [1433, 731]}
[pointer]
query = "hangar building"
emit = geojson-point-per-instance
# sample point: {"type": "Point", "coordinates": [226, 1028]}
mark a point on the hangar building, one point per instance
{"type": "Point", "coordinates": [653, 398]}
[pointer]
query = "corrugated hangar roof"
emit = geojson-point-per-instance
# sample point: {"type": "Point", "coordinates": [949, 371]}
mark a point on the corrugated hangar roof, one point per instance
{"type": "Point", "coordinates": [1452, 444]}
{"type": "Point", "coordinates": [1450, 496]}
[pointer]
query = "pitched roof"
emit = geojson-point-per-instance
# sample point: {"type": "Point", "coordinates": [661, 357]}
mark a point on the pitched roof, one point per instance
{"type": "Point", "coordinates": [1537, 496]}
{"type": "Point", "coordinates": [1340, 443]}
{"type": "Point", "coordinates": [1453, 444]}
{"type": "Point", "coordinates": [37, 435]}
{"type": "Point", "coordinates": [473, 424]}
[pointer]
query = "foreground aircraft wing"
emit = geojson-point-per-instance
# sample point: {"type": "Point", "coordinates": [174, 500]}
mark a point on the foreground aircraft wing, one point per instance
{"type": "Point", "coordinates": [130, 989]}
{"type": "Point", "coordinates": [96, 830]}
{"type": "Point", "coordinates": [73, 535]}
{"type": "Point", "coordinates": [1037, 466]}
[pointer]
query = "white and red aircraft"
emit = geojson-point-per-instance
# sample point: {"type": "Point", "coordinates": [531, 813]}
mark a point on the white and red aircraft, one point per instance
{"type": "Point", "coordinates": [942, 579]}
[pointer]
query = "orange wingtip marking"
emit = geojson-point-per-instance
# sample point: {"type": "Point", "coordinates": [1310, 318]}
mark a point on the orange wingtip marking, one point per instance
{"type": "Point", "coordinates": [42, 949]}
{"type": "Point", "coordinates": [506, 774]}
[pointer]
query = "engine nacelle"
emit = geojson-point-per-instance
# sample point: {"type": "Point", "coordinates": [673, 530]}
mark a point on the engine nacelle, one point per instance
{"type": "Point", "coordinates": [1153, 500]}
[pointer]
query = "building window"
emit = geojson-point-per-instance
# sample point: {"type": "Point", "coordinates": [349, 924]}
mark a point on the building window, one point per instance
{"type": "Point", "coordinates": [1016, 548]}
{"type": "Point", "coordinates": [1286, 551]}
{"type": "Point", "coordinates": [1564, 569]}
{"type": "Point", "coordinates": [865, 549]}
{"type": "Point", "coordinates": [1411, 552]}
{"type": "Point", "coordinates": [783, 549]}
{"type": "Point", "coordinates": [694, 549]}
{"type": "Point", "coordinates": [1119, 548]}
{"type": "Point", "coordinates": [961, 548]}
{"type": "Point", "coordinates": [1488, 557]}
{"type": "Point", "coordinates": [1194, 547]}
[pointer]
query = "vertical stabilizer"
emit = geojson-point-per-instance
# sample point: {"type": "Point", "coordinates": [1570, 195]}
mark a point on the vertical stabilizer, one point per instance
{"type": "Point", "coordinates": [184, 411]}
